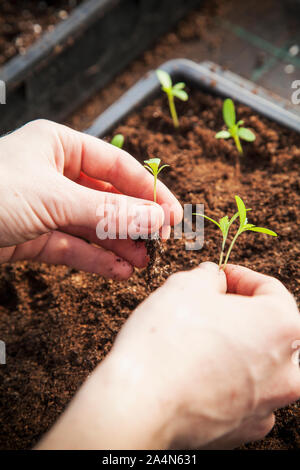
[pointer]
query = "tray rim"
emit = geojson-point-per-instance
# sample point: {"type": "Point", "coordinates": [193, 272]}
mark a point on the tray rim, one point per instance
{"type": "Point", "coordinates": [209, 76]}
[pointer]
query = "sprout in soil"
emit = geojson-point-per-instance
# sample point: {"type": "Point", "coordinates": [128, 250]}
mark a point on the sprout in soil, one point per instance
{"type": "Point", "coordinates": [234, 128]}
{"type": "Point", "coordinates": [171, 91]}
{"type": "Point", "coordinates": [153, 166]}
{"type": "Point", "coordinates": [118, 141]}
{"type": "Point", "coordinates": [224, 225]}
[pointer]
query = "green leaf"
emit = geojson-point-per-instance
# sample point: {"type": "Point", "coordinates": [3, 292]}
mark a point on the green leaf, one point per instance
{"type": "Point", "coordinates": [153, 166]}
{"type": "Point", "coordinates": [118, 141]}
{"type": "Point", "coordinates": [223, 135]}
{"type": "Point", "coordinates": [240, 123]}
{"type": "Point", "coordinates": [246, 134]}
{"type": "Point", "coordinates": [179, 86]}
{"type": "Point", "coordinates": [263, 230]}
{"type": "Point", "coordinates": [229, 113]}
{"type": "Point", "coordinates": [161, 168]}
{"type": "Point", "coordinates": [149, 168]}
{"type": "Point", "coordinates": [224, 225]}
{"type": "Point", "coordinates": [235, 216]}
{"type": "Point", "coordinates": [242, 210]}
{"type": "Point", "coordinates": [164, 78]}
{"type": "Point", "coordinates": [208, 218]}
{"type": "Point", "coordinates": [153, 163]}
{"type": "Point", "coordinates": [181, 94]}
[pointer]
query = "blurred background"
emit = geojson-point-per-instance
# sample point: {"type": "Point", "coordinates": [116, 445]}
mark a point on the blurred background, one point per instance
{"type": "Point", "coordinates": [69, 59]}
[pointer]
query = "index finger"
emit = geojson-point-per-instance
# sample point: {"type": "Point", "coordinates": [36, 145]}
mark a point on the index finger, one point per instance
{"type": "Point", "coordinates": [244, 281]}
{"type": "Point", "coordinates": [101, 160]}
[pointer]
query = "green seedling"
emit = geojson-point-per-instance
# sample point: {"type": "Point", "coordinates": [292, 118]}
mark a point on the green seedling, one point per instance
{"type": "Point", "coordinates": [118, 141]}
{"type": "Point", "coordinates": [225, 223]}
{"type": "Point", "coordinates": [235, 129]}
{"type": "Point", "coordinates": [172, 91]}
{"type": "Point", "coordinates": [153, 166]}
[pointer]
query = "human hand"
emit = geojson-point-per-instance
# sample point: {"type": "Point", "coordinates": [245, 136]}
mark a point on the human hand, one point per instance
{"type": "Point", "coordinates": [53, 182]}
{"type": "Point", "coordinates": [202, 363]}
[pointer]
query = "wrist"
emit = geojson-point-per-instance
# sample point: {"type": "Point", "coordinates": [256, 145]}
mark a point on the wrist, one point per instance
{"type": "Point", "coordinates": [112, 410]}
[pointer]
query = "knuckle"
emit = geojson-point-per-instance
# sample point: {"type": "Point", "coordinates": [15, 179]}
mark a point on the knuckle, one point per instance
{"type": "Point", "coordinates": [39, 124]}
{"type": "Point", "coordinates": [63, 248]}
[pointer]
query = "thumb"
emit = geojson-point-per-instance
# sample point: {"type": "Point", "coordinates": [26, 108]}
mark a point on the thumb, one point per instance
{"type": "Point", "coordinates": [211, 277]}
{"type": "Point", "coordinates": [110, 215]}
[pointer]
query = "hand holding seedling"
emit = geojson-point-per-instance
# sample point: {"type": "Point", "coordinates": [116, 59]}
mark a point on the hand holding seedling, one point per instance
{"type": "Point", "coordinates": [224, 225]}
{"type": "Point", "coordinates": [58, 185]}
{"type": "Point", "coordinates": [234, 128]}
{"type": "Point", "coordinates": [202, 363]}
{"type": "Point", "coordinates": [172, 91]}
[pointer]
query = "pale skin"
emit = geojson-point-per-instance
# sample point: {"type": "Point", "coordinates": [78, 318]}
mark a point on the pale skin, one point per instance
{"type": "Point", "coordinates": [54, 180]}
{"type": "Point", "coordinates": [203, 362]}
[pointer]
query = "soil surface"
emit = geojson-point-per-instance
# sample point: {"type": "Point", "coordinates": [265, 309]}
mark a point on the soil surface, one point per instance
{"type": "Point", "coordinates": [22, 22]}
{"type": "Point", "coordinates": [59, 323]}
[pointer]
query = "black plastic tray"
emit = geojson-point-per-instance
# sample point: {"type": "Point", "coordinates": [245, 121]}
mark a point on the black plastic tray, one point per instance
{"type": "Point", "coordinates": [81, 55]}
{"type": "Point", "coordinates": [207, 76]}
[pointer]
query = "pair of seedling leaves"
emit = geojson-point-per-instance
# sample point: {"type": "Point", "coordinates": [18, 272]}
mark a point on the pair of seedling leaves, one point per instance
{"type": "Point", "coordinates": [152, 164]}
{"type": "Point", "coordinates": [234, 129]}
{"type": "Point", "coordinates": [225, 223]}
{"type": "Point", "coordinates": [172, 91]}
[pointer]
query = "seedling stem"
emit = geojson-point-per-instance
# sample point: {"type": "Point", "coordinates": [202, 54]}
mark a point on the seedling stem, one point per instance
{"type": "Point", "coordinates": [173, 109]}
{"type": "Point", "coordinates": [171, 91]}
{"type": "Point", "coordinates": [153, 166]}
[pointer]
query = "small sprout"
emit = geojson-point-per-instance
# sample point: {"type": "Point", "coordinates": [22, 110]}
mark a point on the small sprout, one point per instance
{"type": "Point", "coordinates": [118, 141]}
{"type": "Point", "coordinates": [224, 225]}
{"type": "Point", "coordinates": [153, 166]}
{"type": "Point", "coordinates": [234, 128]}
{"type": "Point", "coordinates": [171, 91]}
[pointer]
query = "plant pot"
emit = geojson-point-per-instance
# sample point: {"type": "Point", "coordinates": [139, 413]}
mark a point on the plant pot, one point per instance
{"type": "Point", "coordinates": [81, 55]}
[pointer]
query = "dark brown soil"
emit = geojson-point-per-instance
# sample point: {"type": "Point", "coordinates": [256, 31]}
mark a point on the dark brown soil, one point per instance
{"type": "Point", "coordinates": [24, 21]}
{"type": "Point", "coordinates": [59, 323]}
